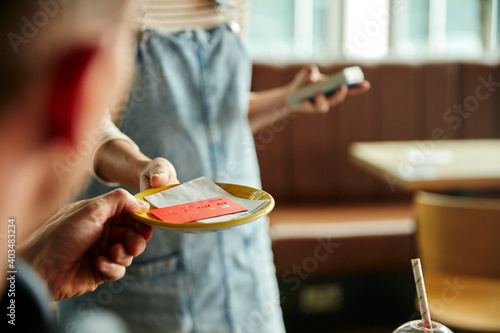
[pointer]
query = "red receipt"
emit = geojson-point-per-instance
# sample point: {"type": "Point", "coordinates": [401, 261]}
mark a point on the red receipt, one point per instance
{"type": "Point", "coordinates": [197, 210]}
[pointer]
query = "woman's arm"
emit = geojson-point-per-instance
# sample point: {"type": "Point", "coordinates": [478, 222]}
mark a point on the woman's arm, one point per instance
{"type": "Point", "coordinates": [269, 106]}
{"type": "Point", "coordinates": [116, 159]}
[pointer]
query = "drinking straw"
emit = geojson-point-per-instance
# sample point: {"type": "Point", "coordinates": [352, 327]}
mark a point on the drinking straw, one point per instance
{"type": "Point", "coordinates": [422, 296]}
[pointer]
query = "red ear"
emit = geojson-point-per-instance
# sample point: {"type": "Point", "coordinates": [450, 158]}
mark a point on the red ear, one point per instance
{"type": "Point", "coordinates": [67, 84]}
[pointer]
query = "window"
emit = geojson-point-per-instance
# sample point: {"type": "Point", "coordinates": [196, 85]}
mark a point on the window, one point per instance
{"type": "Point", "coordinates": [373, 29]}
{"type": "Point", "coordinates": [441, 29]}
{"type": "Point", "coordinates": [366, 28]}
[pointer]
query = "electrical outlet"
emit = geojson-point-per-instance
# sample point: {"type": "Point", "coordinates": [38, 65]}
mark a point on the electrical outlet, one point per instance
{"type": "Point", "coordinates": [321, 298]}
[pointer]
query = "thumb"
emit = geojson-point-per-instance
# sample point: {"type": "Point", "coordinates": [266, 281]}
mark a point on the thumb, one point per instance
{"type": "Point", "coordinates": [162, 173]}
{"type": "Point", "coordinates": [308, 74]}
{"type": "Point", "coordinates": [312, 74]}
{"type": "Point", "coordinates": [120, 201]}
{"type": "Point", "coordinates": [160, 179]}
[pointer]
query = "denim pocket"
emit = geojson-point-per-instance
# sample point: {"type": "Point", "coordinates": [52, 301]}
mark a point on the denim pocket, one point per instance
{"type": "Point", "coordinates": [170, 264]}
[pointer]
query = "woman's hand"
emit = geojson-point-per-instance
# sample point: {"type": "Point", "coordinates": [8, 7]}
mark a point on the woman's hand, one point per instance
{"type": "Point", "coordinates": [157, 173]}
{"type": "Point", "coordinates": [322, 104]}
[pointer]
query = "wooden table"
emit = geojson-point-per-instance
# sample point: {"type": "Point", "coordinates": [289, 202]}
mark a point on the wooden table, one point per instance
{"type": "Point", "coordinates": [432, 165]}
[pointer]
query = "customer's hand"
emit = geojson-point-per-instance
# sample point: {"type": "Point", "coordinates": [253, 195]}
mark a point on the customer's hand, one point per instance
{"type": "Point", "coordinates": [87, 243]}
{"type": "Point", "coordinates": [322, 104]}
{"type": "Point", "coordinates": [158, 172]}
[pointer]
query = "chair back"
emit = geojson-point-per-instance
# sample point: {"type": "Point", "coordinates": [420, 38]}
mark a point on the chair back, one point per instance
{"type": "Point", "coordinates": [458, 235]}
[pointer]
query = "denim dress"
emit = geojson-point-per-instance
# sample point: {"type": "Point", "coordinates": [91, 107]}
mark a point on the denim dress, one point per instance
{"type": "Point", "coordinates": [189, 104]}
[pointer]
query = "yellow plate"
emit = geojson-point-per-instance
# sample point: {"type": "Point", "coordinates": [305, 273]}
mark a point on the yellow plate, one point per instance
{"type": "Point", "coordinates": [240, 191]}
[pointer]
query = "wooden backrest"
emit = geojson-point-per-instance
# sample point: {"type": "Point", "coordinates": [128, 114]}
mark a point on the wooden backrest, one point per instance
{"type": "Point", "coordinates": [305, 159]}
{"type": "Point", "coordinates": [458, 235]}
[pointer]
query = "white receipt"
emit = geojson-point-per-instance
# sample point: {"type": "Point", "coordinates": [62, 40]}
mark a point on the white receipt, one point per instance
{"type": "Point", "coordinates": [201, 189]}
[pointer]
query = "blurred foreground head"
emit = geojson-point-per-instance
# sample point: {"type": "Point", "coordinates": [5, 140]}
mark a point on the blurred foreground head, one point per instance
{"type": "Point", "coordinates": [62, 62]}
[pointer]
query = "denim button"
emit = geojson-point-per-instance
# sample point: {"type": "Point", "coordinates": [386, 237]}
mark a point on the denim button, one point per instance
{"type": "Point", "coordinates": [234, 27]}
{"type": "Point", "coordinates": [145, 36]}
